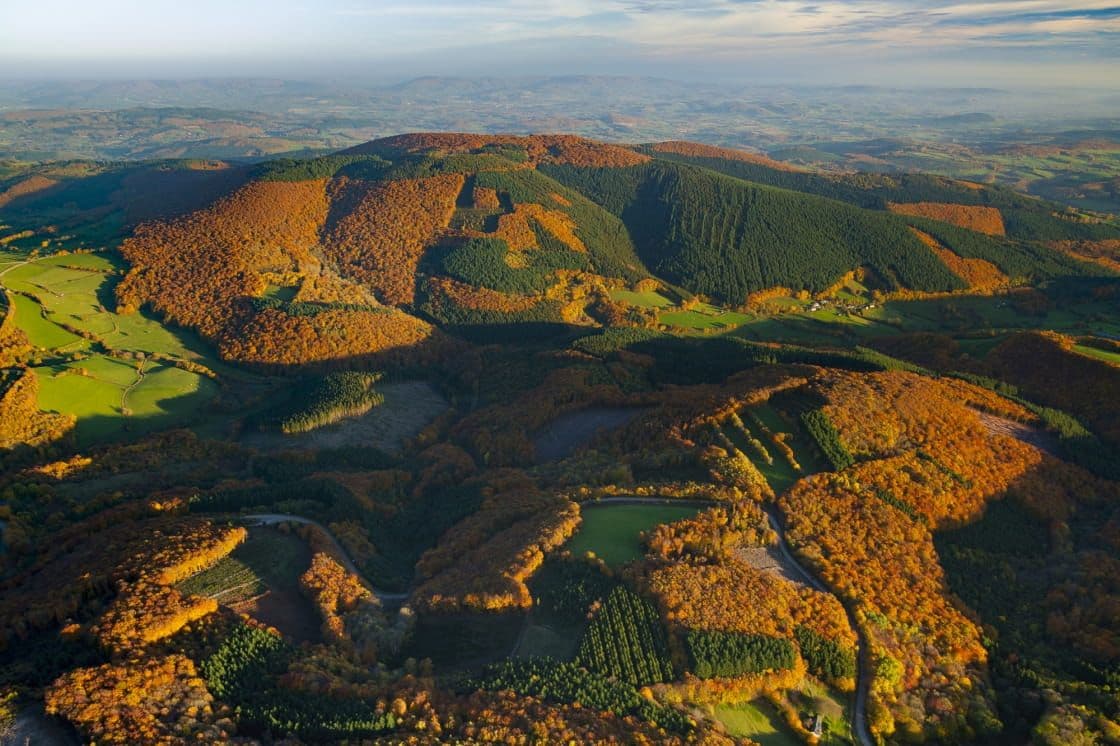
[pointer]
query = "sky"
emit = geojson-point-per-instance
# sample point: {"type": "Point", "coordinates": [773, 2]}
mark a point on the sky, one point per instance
{"type": "Point", "coordinates": [935, 42]}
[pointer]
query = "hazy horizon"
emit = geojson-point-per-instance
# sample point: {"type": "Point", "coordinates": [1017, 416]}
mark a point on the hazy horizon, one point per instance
{"type": "Point", "coordinates": [1031, 44]}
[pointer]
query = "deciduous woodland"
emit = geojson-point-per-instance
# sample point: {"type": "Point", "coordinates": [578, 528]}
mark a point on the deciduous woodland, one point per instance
{"type": "Point", "coordinates": [502, 439]}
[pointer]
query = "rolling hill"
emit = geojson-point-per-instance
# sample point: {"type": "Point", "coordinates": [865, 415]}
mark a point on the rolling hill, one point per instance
{"type": "Point", "coordinates": [433, 500]}
{"type": "Point", "coordinates": [377, 252]}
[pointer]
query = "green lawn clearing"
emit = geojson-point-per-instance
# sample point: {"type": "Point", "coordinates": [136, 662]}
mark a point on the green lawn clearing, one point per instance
{"type": "Point", "coordinates": [757, 721]}
{"type": "Point", "coordinates": [613, 532]}
{"type": "Point", "coordinates": [648, 299]}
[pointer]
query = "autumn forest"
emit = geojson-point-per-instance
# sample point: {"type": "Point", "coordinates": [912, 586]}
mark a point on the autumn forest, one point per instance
{"type": "Point", "coordinates": [457, 438]}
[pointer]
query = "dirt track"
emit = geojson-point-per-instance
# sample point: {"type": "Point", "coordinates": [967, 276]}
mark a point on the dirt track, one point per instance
{"type": "Point", "coordinates": [269, 519]}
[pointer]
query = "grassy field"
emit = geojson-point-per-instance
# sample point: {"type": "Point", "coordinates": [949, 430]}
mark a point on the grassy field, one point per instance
{"type": "Point", "coordinates": [1108, 357]}
{"type": "Point", "coordinates": [110, 396]}
{"type": "Point", "coordinates": [612, 532]}
{"type": "Point", "coordinates": [43, 332]}
{"type": "Point", "coordinates": [794, 320]}
{"type": "Point", "coordinates": [280, 292]}
{"type": "Point", "coordinates": [267, 559]}
{"type": "Point", "coordinates": [648, 299]}
{"type": "Point", "coordinates": [81, 298]}
{"type": "Point", "coordinates": [705, 318]}
{"type": "Point", "coordinates": [757, 721]}
{"type": "Point", "coordinates": [788, 319]}
{"type": "Point", "coordinates": [815, 697]}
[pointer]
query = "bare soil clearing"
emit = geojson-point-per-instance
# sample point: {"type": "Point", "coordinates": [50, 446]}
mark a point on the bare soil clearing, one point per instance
{"type": "Point", "coordinates": [407, 409]}
{"type": "Point", "coordinates": [1041, 440]}
{"type": "Point", "coordinates": [564, 435]}
{"type": "Point", "coordinates": [286, 610]}
{"type": "Point", "coordinates": [770, 559]}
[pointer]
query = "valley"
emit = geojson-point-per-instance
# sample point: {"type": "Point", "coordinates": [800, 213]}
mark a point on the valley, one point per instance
{"type": "Point", "coordinates": [452, 437]}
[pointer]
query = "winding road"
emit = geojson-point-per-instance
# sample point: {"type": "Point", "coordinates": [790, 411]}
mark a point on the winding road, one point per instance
{"type": "Point", "coordinates": [863, 657]}
{"type": "Point", "coordinates": [863, 661]}
{"type": "Point", "coordinates": [271, 519]}
{"type": "Point", "coordinates": [863, 672]}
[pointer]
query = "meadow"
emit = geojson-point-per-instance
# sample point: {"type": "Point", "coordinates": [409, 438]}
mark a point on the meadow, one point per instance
{"type": "Point", "coordinates": [116, 373]}
{"type": "Point", "coordinates": [849, 315]}
{"type": "Point", "coordinates": [760, 721]}
{"type": "Point", "coordinates": [1106, 355]}
{"type": "Point", "coordinates": [705, 318]}
{"type": "Point", "coordinates": [613, 532]}
{"type": "Point", "coordinates": [757, 721]}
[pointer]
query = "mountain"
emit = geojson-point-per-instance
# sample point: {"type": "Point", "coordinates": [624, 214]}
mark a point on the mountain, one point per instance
{"type": "Point", "coordinates": [389, 250]}
{"type": "Point", "coordinates": [384, 445]}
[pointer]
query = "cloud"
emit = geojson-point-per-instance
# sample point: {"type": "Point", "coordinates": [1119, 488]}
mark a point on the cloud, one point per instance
{"type": "Point", "coordinates": [712, 32]}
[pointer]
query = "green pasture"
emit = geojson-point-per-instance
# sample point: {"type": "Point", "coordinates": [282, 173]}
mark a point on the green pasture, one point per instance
{"type": "Point", "coordinates": [1107, 356]}
{"type": "Point", "coordinates": [280, 292]}
{"type": "Point", "coordinates": [757, 721]}
{"type": "Point", "coordinates": [790, 320]}
{"type": "Point", "coordinates": [8, 257]}
{"type": "Point", "coordinates": [813, 696]}
{"type": "Point", "coordinates": [705, 318]}
{"type": "Point", "coordinates": [40, 331]}
{"type": "Point", "coordinates": [648, 299]}
{"type": "Point", "coordinates": [964, 315]}
{"type": "Point", "coordinates": [803, 328]}
{"type": "Point", "coordinates": [82, 298]}
{"type": "Point", "coordinates": [109, 397]}
{"type": "Point", "coordinates": [97, 262]}
{"type": "Point", "coordinates": [613, 532]}
{"type": "Point", "coordinates": [105, 393]}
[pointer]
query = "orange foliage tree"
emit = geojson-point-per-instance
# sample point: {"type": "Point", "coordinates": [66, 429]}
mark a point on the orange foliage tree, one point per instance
{"type": "Point", "coordinates": [927, 461]}
{"type": "Point", "coordinates": [385, 228]}
{"type": "Point", "coordinates": [21, 421]}
{"type": "Point", "coordinates": [194, 269]}
{"type": "Point", "coordinates": [483, 562]}
{"type": "Point", "coordinates": [698, 150]}
{"type": "Point", "coordinates": [980, 274]}
{"type": "Point", "coordinates": [977, 218]}
{"type": "Point", "coordinates": [159, 701]}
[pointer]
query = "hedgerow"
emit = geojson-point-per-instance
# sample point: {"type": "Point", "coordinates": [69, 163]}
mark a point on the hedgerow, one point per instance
{"type": "Point", "coordinates": [826, 436]}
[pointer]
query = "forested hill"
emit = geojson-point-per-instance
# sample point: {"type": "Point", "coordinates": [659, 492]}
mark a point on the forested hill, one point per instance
{"type": "Point", "coordinates": [381, 249]}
